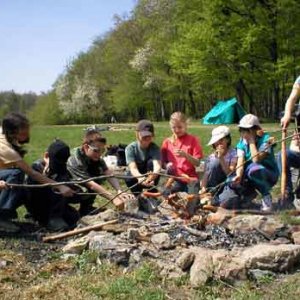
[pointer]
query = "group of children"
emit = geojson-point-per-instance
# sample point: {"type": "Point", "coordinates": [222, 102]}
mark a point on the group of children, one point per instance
{"type": "Point", "coordinates": [232, 175]}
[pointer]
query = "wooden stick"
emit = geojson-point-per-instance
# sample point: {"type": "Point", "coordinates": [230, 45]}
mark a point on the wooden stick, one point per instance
{"type": "Point", "coordinates": [283, 168]}
{"type": "Point", "coordinates": [77, 231]}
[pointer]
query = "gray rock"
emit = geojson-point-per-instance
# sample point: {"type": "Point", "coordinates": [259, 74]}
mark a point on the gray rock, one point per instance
{"type": "Point", "coordinates": [276, 258]}
{"type": "Point", "coordinates": [119, 256]}
{"type": "Point", "coordinates": [296, 237]}
{"type": "Point", "coordinates": [76, 246]}
{"type": "Point", "coordinates": [161, 241]}
{"type": "Point", "coordinates": [280, 240]}
{"type": "Point", "coordinates": [228, 266]}
{"type": "Point", "coordinates": [108, 215]}
{"type": "Point", "coordinates": [111, 249]}
{"type": "Point", "coordinates": [136, 256]}
{"type": "Point", "coordinates": [104, 216]}
{"type": "Point", "coordinates": [169, 270]}
{"type": "Point", "coordinates": [248, 223]}
{"type": "Point", "coordinates": [202, 269]}
{"type": "Point", "coordinates": [185, 260]}
{"type": "Point", "coordinates": [131, 205]}
{"type": "Point", "coordinates": [102, 242]}
{"type": "Point", "coordinates": [132, 234]}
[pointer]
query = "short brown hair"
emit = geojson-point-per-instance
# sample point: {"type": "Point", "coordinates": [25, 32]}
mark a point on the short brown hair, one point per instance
{"type": "Point", "coordinates": [91, 137]}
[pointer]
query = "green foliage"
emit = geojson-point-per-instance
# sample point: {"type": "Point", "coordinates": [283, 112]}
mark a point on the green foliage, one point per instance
{"type": "Point", "coordinates": [11, 101]}
{"type": "Point", "coordinates": [46, 110]}
{"type": "Point", "coordinates": [86, 260]}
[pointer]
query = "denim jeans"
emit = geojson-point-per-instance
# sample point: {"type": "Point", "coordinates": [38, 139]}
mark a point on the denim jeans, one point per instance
{"type": "Point", "coordinates": [143, 169]}
{"type": "Point", "coordinates": [214, 173]}
{"type": "Point", "coordinates": [11, 199]}
{"type": "Point", "coordinates": [261, 178]}
{"type": "Point", "coordinates": [293, 161]}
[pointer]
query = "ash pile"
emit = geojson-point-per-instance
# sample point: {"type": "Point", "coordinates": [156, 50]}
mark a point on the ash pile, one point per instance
{"type": "Point", "coordinates": [214, 244]}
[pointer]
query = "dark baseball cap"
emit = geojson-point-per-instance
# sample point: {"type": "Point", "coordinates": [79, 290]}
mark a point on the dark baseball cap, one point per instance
{"type": "Point", "coordinates": [145, 128]}
{"type": "Point", "coordinates": [58, 152]}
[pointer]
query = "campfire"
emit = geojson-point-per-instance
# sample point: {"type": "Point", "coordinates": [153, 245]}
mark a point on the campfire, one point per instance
{"type": "Point", "coordinates": [217, 242]}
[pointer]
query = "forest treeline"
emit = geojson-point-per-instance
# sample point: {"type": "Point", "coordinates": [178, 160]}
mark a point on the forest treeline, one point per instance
{"type": "Point", "coordinates": [169, 55]}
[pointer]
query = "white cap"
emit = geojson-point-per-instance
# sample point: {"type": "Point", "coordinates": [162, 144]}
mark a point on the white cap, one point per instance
{"type": "Point", "coordinates": [248, 121]}
{"type": "Point", "coordinates": [218, 133]}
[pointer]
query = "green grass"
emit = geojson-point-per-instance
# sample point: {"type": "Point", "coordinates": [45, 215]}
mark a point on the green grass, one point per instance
{"type": "Point", "coordinates": [286, 218]}
{"type": "Point", "coordinates": [109, 282]}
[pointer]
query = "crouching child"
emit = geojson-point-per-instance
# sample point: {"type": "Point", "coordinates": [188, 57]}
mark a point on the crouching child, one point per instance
{"type": "Point", "coordinates": [45, 205]}
{"type": "Point", "coordinates": [256, 161]}
{"type": "Point", "coordinates": [86, 162]}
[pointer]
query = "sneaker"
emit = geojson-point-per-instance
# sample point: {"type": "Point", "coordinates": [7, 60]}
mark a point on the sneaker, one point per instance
{"type": "Point", "coordinates": [57, 224]}
{"type": "Point", "coordinates": [297, 203]}
{"type": "Point", "coordinates": [266, 204]}
{"type": "Point", "coordinates": [8, 226]}
{"type": "Point", "coordinates": [287, 202]}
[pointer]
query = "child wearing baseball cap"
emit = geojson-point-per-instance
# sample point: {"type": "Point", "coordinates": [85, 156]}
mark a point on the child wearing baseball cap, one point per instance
{"type": "Point", "coordinates": [143, 157]}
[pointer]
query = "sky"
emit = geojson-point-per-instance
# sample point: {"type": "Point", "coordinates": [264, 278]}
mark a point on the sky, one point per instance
{"type": "Point", "coordinates": [39, 37]}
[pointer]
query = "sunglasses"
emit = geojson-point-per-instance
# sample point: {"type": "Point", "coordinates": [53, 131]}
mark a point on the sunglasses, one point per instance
{"type": "Point", "coordinates": [96, 150]}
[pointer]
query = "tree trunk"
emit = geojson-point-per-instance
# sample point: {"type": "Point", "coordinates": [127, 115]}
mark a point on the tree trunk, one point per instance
{"type": "Point", "coordinates": [192, 104]}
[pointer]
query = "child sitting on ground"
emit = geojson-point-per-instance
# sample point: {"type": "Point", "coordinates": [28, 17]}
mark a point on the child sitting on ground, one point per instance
{"type": "Point", "coordinates": [181, 154]}
{"type": "Point", "coordinates": [44, 205]}
{"type": "Point", "coordinates": [220, 164]}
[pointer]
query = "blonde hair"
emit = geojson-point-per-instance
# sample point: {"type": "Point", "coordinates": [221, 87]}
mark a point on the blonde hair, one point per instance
{"type": "Point", "coordinates": [175, 117]}
{"type": "Point", "coordinates": [178, 116]}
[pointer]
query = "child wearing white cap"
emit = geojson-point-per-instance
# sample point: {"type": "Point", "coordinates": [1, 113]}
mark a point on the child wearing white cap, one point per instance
{"type": "Point", "coordinates": [220, 163]}
{"type": "Point", "coordinates": [256, 160]}
{"type": "Point", "coordinates": [223, 159]}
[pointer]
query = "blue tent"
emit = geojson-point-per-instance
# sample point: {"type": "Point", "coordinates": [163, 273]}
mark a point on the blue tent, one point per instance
{"type": "Point", "coordinates": [224, 112]}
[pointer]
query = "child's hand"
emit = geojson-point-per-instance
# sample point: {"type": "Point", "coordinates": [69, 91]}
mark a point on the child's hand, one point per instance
{"type": "Point", "coordinates": [170, 168]}
{"type": "Point", "coordinates": [179, 152]}
{"type": "Point", "coordinates": [249, 136]}
{"type": "Point", "coordinates": [2, 185]}
{"type": "Point", "coordinates": [237, 179]}
{"type": "Point", "coordinates": [220, 151]}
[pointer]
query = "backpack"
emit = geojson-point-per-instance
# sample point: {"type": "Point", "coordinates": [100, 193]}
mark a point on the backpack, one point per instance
{"type": "Point", "coordinates": [119, 152]}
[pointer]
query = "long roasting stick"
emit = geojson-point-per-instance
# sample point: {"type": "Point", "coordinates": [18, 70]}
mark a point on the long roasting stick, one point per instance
{"type": "Point", "coordinates": [283, 168]}
{"type": "Point", "coordinates": [77, 231]}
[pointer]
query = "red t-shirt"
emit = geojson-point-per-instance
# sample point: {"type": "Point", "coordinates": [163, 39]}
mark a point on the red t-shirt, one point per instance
{"type": "Point", "coordinates": [181, 165]}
